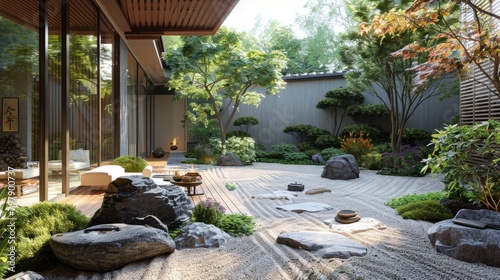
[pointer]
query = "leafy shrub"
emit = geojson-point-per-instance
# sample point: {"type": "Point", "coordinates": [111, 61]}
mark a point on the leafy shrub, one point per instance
{"type": "Point", "coordinates": [454, 150]}
{"type": "Point", "coordinates": [385, 147]}
{"type": "Point", "coordinates": [203, 153]}
{"type": "Point", "coordinates": [208, 212]}
{"type": "Point", "coordinates": [414, 198]}
{"type": "Point", "coordinates": [243, 148]}
{"type": "Point", "coordinates": [296, 156]}
{"type": "Point", "coordinates": [280, 150]}
{"type": "Point", "coordinates": [428, 210]}
{"type": "Point", "coordinates": [190, 153]}
{"type": "Point", "coordinates": [408, 162]}
{"type": "Point", "coordinates": [201, 132]}
{"type": "Point", "coordinates": [34, 227]}
{"type": "Point", "coordinates": [305, 146]}
{"type": "Point", "coordinates": [237, 224]}
{"type": "Point", "coordinates": [331, 152]}
{"type": "Point", "coordinates": [237, 133]}
{"type": "Point", "coordinates": [327, 141]}
{"type": "Point", "coordinates": [130, 163]}
{"type": "Point", "coordinates": [416, 137]}
{"type": "Point", "coordinates": [311, 152]}
{"type": "Point", "coordinates": [356, 145]}
{"type": "Point", "coordinates": [370, 130]}
{"type": "Point", "coordinates": [372, 161]}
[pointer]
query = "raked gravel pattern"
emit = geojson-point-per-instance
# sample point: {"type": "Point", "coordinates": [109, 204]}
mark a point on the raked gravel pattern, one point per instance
{"type": "Point", "coordinates": [401, 251]}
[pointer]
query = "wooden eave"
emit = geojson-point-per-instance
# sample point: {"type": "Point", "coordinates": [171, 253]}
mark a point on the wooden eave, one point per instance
{"type": "Point", "coordinates": [149, 19]}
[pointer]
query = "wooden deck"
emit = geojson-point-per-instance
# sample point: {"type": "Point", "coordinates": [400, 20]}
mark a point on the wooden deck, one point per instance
{"type": "Point", "coordinates": [89, 201]}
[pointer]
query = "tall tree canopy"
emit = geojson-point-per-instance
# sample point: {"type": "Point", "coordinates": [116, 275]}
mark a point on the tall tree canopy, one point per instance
{"type": "Point", "coordinates": [219, 70]}
{"type": "Point", "coordinates": [472, 42]}
{"type": "Point", "coordinates": [375, 70]}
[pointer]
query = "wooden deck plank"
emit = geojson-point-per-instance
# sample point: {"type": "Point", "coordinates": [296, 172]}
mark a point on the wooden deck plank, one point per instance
{"type": "Point", "coordinates": [89, 201]}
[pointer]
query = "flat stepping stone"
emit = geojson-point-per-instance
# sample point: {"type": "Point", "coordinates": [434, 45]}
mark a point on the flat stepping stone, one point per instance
{"type": "Point", "coordinates": [363, 224]}
{"type": "Point", "coordinates": [318, 191]}
{"type": "Point", "coordinates": [325, 244]}
{"type": "Point", "coordinates": [305, 207]}
{"type": "Point", "coordinates": [285, 195]}
{"type": "Point", "coordinates": [108, 247]}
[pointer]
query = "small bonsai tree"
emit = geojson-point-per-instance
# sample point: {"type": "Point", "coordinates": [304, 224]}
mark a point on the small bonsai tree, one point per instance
{"type": "Point", "coordinates": [245, 122]}
{"type": "Point", "coordinates": [337, 101]}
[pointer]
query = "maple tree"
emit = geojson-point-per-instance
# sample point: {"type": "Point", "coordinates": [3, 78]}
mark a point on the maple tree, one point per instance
{"type": "Point", "coordinates": [373, 68]}
{"type": "Point", "coordinates": [472, 41]}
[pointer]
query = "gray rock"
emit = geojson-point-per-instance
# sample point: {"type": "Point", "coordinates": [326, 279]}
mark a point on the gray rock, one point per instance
{"type": "Point", "coordinates": [317, 191]}
{"type": "Point", "coordinates": [305, 207]}
{"type": "Point", "coordinates": [229, 159]}
{"type": "Point", "coordinates": [343, 167]}
{"type": "Point", "coordinates": [467, 243]}
{"type": "Point", "coordinates": [295, 187]}
{"type": "Point", "coordinates": [201, 235]}
{"type": "Point", "coordinates": [26, 275]}
{"type": "Point", "coordinates": [325, 244]}
{"type": "Point", "coordinates": [317, 158]}
{"type": "Point", "coordinates": [136, 196]}
{"type": "Point", "coordinates": [150, 221]}
{"type": "Point", "coordinates": [108, 247]}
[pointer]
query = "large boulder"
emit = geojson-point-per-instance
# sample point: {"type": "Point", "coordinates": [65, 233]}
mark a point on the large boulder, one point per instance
{"type": "Point", "coordinates": [229, 159]}
{"type": "Point", "coordinates": [468, 243]}
{"type": "Point", "coordinates": [133, 197]}
{"type": "Point", "coordinates": [201, 235]}
{"type": "Point", "coordinates": [108, 247]}
{"type": "Point", "coordinates": [343, 167]}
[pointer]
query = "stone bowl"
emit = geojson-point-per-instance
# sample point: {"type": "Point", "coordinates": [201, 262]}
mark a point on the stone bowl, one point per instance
{"type": "Point", "coordinates": [346, 213]}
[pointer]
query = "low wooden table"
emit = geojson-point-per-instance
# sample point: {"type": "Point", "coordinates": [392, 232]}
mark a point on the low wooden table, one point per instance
{"type": "Point", "coordinates": [190, 186]}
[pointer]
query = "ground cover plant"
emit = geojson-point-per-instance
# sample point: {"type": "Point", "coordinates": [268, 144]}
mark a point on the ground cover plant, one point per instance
{"type": "Point", "coordinates": [425, 207]}
{"type": "Point", "coordinates": [34, 227]}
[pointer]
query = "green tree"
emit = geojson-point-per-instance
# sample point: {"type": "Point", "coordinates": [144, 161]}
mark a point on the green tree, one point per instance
{"type": "Point", "coordinates": [377, 72]}
{"type": "Point", "coordinates": [322, 24]}
{"type": "Point", "coordinates": [221, 73]}
{"type": "Point", "coordinates": [337, 101]}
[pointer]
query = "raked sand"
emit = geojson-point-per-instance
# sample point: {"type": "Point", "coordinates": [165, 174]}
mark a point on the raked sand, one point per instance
{"type": "Point", "coordinates": [401, 251]}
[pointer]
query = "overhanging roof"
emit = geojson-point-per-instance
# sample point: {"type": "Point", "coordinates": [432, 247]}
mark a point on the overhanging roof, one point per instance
{"type": "Point", "coordinates": [140, 22]}
{"type": "Point", "coordinates": [148, 18]}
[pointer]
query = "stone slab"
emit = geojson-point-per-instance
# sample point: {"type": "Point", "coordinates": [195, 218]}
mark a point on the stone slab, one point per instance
{"type": "Point", "coordinates": [325, 244]}
{"type": "Point", "coordinates": [305, 207]}
{"type": "Point", "coordinates": [363, 224]}
{"type": "Point", "coordinates": [285, 195]}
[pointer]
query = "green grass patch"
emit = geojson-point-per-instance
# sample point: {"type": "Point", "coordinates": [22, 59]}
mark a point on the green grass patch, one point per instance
{"type": "Point", "coordinates": [414, 198]}
{"type": "Point", "coordinates": [428, 210]}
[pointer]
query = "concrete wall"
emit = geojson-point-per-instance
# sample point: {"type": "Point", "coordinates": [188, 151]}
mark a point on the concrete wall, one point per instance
{"type": "Point", "coordinates": [296, 104]}
{"type": "Point", "coordinates": [167, 122]}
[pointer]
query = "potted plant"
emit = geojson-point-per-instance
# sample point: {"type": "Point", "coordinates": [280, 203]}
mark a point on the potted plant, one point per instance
{"type": "Point", "coordinates": [159, 152]}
